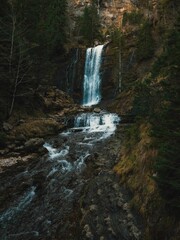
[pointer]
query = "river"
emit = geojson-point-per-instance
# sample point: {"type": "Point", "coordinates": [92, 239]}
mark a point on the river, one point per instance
{"type": "Point", "coordinates": [72, 193]}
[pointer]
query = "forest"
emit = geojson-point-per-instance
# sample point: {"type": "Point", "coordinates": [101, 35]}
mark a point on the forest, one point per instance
{"type": "Point", "coordinates": [32, 35]}
{"type": "Point", "coordinates": [43, 49]}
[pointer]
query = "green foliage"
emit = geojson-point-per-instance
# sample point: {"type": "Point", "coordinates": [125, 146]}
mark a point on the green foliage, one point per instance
{"type": "Point", "coordinates": [117, 37]}
{"type": "Point", "coordinates": [132, 136]}
{"type": "Point", "coordinates": [89, 24]}
{"type": "Point", "coordinates": [55, 24]}
{"type": "Point", "coordinates": [158, 100]}
{"type": "Point", "coordinates": [143, 99]}
{"type": "Point", "coordinates": [134, 17]}
{"type": "Point", "coordinates": [46, 21]}
{"type": "Point", "coordinates": [31, 33]}
{"type": "Point", "coordinates": [145, 44]}
{"type": "Point", "coordinates": [166, 123]}
{"type": "Point", "coordinates": [165, 3]}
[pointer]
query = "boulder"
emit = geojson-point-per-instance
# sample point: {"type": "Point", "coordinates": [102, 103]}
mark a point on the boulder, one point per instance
{"type": "Point", "coordinates": [34, 144]}
{"type": "Point", "coordinates": [21, 138]}
{"type": "Point", "coordinates": [97, 110]}
{"type": "Point", "coordinates": [7, 127]}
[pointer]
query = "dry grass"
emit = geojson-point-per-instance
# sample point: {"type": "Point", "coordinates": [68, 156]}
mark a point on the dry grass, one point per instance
{"type": "Point", "coordinates": [123, 104]}
{"type": "Point", "coordinates": [37, 128]}
{"type": "Point", "coordinates": [135, 169]}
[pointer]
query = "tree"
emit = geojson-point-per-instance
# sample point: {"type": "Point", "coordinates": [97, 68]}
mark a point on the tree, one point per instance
{"type": "Point", "coordinates": [31, 32]}
{"type": "Point", "coordinates": [145, 44]}
{"type": "Point", "coordinates": [14, 54]}
{"type": "Point", "coordinates": [90, 24]}
{"type": "Point", "coordinates": [117, 41]}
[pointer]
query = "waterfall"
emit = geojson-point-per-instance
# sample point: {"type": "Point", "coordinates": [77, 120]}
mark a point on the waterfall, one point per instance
{"type": "Point", "coordinates": [92, 79]}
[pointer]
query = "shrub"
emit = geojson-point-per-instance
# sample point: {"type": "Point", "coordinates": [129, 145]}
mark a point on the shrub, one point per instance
{"type": "Point", "coordinates": [145, 43]}
{"type": "Point", "coordinates": [134, 17]}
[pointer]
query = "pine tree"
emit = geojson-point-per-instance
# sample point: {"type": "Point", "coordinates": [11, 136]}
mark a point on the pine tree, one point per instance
{"type": "Point", "coordinates": [90, 24]}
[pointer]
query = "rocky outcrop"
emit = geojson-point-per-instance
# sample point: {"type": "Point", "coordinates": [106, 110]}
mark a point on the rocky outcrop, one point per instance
{"type": "Point", "coordinates": [110, 11]}
{"type": "Point", "coordinates": [69, 78]}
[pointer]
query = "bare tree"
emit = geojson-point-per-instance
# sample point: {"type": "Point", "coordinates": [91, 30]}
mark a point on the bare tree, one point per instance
{"type": "Point", "coordinates": [14, 55]}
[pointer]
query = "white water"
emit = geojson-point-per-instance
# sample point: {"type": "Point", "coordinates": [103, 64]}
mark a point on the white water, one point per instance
{"type": "Point", "coordinates": [92, 128]}
{"type": "Point", "coordinates": [90, 122]}
{"type": "Point", "coordinates": [92, 79]}
{"type": "Point", "coordinates": [23, 203]}
{"type": "Point", "coordinates": [55, 153]}
{"type": "Point", "coordinates": [79, 164]}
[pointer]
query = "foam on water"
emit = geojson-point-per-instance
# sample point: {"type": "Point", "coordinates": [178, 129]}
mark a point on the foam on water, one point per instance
{"type": "Point", "coordinates": [79, 164]}
{"type": "Point", "coordinates": [67, 192]}
{"type": "Point", "coordinates": [91, 123]}
{"type": "Point", "coordinates": [65, 166]}
{"type": "Point", "coordinates": [52, 172]}
{"type": "Point", "coordinates": [23, 202]}
{"type": "Point", "coordinates": [55, 153]}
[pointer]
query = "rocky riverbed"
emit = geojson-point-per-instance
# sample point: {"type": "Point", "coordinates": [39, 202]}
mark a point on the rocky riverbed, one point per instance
{"type": "Point", "coordinates": [66, 188]}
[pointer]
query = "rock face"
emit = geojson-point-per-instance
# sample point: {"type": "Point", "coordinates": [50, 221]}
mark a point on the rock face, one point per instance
{"type": "Point", "coordinates": [69, 78]}
{"type": "Point", "coordinates": [110, 11]}
{"type": "Point", "coordinates": [7, 127]}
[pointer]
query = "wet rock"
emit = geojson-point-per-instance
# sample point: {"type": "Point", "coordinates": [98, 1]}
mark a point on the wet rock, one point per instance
{"type": "Point", "coordinates": [20, 148]}
{"type": "Point", "coordinates": [129, 216]}
{"type": "Point", "coordinates": [4, 151]}
{"type": "Point", "coordinates": [99, 228]}
{"type": "Point", "coordinates": [126, 207]}
{"type": "Point", "coordinates": [107, 220]}
{"type": "Point", "coordinates": [89, 235]}
{"type": "Point", "coordinates": [42, 150]}
{"type": "Point", "coordinates": [21, 121]}
{"type": "Point", "coordinates": [110, 229]}
{"type": "Point", "coordinates": [135, 232]}
{"type": "Point", "coordinates": [99, 164]}
{"type": "Point", "coordinates": [130, 223]}
{"type": "Point", "coordinates": [97, 110]}
{"type": "Point", "coordinates": [96, 155]}
{"type": "Point", "coordinates": [116, 186]}
{"type": "Point", "coordinates": [124, 222]}
{"type": "Point", "coordinates": [99, 192]}
{"type": "Point", "coordinates": [93, 208]}
{"type": "Point", "coordinates": [12, 146]}
{"type": "Point", "coordinates": [79, 204]}
{"type": "Point", "coordinates": [120, 203]}
{"type": "Point", "coordinates": [14, 154]}
{"type": "Point", "coordinates": [7, 127]}
{"type": "Point", "coordinates": [82, 211]}
{"type": "Point", "coordinates": [33, 144]}
{"type": "Point", "coordinates": [21, 138]}
{"type": "Point", "coordinates": [88, 232]}
{"type": "Point", "coordinates": [102, 238]}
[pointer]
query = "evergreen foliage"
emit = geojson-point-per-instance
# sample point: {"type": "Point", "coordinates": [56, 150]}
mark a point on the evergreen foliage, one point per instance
{"type": "Point", "coordinates": [166, 121]}
{"type": "Point", "coordinates": [134, 17]}
{"type": "Point", "coordinates": [117, 37]}
{"type": "Point", "coordinates": [159, 102]}
{"type": "Point", "coordinates": [89, 24]}
{"type": "Point", "coordinates": [31, 33]}
{"type": "Point", "coordinates": [145, 44]}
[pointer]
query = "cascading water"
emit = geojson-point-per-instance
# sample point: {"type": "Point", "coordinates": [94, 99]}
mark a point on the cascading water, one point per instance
{"type": "Point", "coordinates": [49, 192]}
{"type": "Point", "coordinates": [92, 79]}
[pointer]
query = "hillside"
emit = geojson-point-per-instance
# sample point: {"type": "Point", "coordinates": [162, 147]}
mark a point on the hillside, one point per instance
{"type": "Point", "coordinates": [43, 51]}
